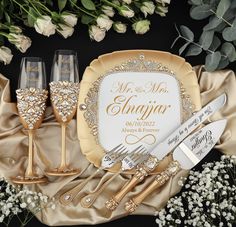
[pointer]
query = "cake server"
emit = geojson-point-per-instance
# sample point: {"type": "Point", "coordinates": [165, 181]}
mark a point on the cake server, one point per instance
{"type": "Point", "coordinates": [166, 146]}
{"type": "Point", "coordinates": [185, 156]}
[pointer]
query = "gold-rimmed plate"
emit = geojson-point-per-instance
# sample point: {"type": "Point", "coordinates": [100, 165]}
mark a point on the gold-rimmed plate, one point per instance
{"type": "Point", "coordinates": [134, 66]}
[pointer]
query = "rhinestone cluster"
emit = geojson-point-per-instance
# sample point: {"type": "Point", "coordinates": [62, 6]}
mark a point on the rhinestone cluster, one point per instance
{"type": "Point", "coordinates": [187, 105]}
{"type": "Point", "coordinates": [146, 167]}
{"type": "Point", "coordinates": [64, 97]}
{"type": "Point", "coordinates": [31, 105]}
{"type": "Point", "coordinates": [140, 64]}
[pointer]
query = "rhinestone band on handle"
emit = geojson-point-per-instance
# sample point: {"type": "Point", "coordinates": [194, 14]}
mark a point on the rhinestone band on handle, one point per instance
{"type": "Point", "coordinates": [160, 180]}
{"type": "Point", "coordinates": [142, 171]}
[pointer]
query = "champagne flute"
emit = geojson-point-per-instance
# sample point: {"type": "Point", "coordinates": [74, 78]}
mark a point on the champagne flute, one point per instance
{"type": "Point", "coordinates": [64, 91]}
{"type": "Point", "coordinates": [31, 105]}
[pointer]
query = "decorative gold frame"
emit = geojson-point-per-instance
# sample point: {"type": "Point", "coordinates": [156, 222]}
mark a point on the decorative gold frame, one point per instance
{"type": "Point", "coordinates": [123, 61]}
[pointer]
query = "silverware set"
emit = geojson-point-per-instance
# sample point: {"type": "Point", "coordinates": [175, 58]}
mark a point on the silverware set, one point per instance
{"type": "Point", "coordinates": [185, 155]}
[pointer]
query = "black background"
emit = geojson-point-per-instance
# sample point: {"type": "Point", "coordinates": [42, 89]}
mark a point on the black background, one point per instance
{"type": "Point", "coordinates": [160, 37]}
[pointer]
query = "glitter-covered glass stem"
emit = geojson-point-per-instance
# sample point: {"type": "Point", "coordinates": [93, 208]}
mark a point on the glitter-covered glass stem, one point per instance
{"type": "Point", "coordinates": [31, 105]}
{"type": "Point", "coordinates": [64, 96]}
{"type": "Point", "coordinates": [64, 91]}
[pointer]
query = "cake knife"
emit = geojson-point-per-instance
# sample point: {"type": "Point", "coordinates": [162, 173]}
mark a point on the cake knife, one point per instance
{"type": "Point", "coordinates": [166, 146]}
{"type": "Point", "coordinates": [185, 156]}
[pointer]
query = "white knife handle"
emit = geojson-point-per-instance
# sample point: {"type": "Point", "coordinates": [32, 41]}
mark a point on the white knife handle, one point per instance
{"type": "Point", "coordinates": [143, 170]}
{"type": "Point", "coordinates": [160, 180]}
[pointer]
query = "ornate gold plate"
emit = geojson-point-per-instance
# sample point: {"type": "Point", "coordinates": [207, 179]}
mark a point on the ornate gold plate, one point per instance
{"type": "Point", "coordinates": [128, 61]}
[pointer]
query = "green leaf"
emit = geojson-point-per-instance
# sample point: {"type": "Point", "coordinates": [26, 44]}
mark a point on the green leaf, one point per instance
{"type": "Point", "coordinates": [181, 50]}
{"type": "Point", "coordinates": [228, 50]}
{"type": "Point", "coordinates": [8, 18]}
{"type": "Point", "coordinates": [195, 2]}
{"type": "Point", "coordinates": [233, 5]}
{"type": "Point", "coordinates": [193, 50]}
{"type": "Point", "coordinates": [31, 17]}
{"type": "Point", "coordinates": [61, 4]}
{"type": "Point", "coordinates": [88, 4]}
{"type": "Point", "coordinates": [200, 12]}
{"type": "Point", "coordinates": [56, 17]}
{"type": "Point", "coordinates": [215, 44]}
{"type": "Point", "coordinates": [222, 8]}
{"type": "Point", "coordinates": [187, 33]}
{"type": "Point", "coordinates": [213, 23]}
{"type": "Point", "coordinates": [206, 39]}
{"type": "Point", "coordinates": [229, 33]}
{"type": "Point", "coordinates": [85, 19]}
{"type": "Point", "coordinates": [212, 61]}
{"type": "Point", "coordinates": [223, 63]}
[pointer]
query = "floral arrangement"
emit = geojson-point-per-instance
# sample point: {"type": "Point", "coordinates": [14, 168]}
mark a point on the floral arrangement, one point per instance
{"type": "Point", "coordinates": [208, 199]}
{"type": "Point", "coordinates": [218, 38]}
{"type": "Point", "coordinates": [20, 203]}
{"type": "Point", "coordinates": [48, 17]}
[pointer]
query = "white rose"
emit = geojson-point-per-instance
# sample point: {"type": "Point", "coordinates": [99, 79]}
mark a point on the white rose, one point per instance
{"type": "Point", "coordinates": [141, 27]}
{"type": "Point", "coordinates": [147, 8]}
{"type": "Point", "coordinates": [96, 33]}
{"type": "Point", "coordinates": [126, 11]}
{"type": "Point", "coordinates": [163, 2]}
{"type": "Point", "coordinates": [5, 55]}
{"type": "Point", "coordinates": [116, 2]}
{"type": "Point", "coordinates": [108, 10]}
{"type": "Point", "coordinates": [127, 1]}
{"type": "Point", "coordinates": [43, 25]}
{"type": "Point", "coordinates": [104, 22]}
{"type": "Point", "coordinates": [161, 10]}
{"type": "Point", "coordinates": [21, 42]}
{"type": "Point", "coordinates": [2, 218]}
{"type": "Point", "coordinates": [119, 27]}
{"type": "Point", "coordinates": [65, 30]}
{"type": "Point", "coordinates": [15, 29]}
{"type": "Point", "coordinates": [70, 19]}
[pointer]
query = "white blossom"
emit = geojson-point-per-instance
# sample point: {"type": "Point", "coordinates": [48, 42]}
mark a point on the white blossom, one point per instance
{"type": "Point", "coordinates": [14, 199]}
{"type": "Point", "coordinates": [65, 30]}
{"type": "Point", "coordinates": [163, 1]}
{"type": "Point", "coordinates": [69, 18]}
{"type": "Point", "coordinates": [161, 10]}
{"type": "Point", "coordinates": [119, 27]}
{"type": "Point", "coordinates": [104, 22]}
{"type": "Point", "coordinates": [108, 10]}
{"type": "Point", "coordinates": [96, 33]}
{"type": "Point", "coordinates": [127, 1]}
{"type": "Point", "coordinates": [147, 7]}
{"type": "Point", "coordinates": [21, 42]}
{"type": "Point", "coordinates": [5, 57]}
{"type": "Point", "coordinates": [126, 11]}
{"type": "Point", "coordinates": [43, 25]}
{"type": "Point", "coordinates": [15, 29]}
{"type": "Point", "coordinates": [209, 198]}
{"type": "Point", "coordinates": [141, 27]}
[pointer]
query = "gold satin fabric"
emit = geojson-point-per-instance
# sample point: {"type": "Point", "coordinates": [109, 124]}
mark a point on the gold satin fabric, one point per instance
{"type": "Point", "coordinates": [47, 144]}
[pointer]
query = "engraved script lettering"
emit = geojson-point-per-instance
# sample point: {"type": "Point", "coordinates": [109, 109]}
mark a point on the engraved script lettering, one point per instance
{"type": "Point", "coordinates": [120, 87]}
{"type": "Point", "coordinates": [124, 105]}
{"type": "Point", "coordinates": [204, 139]}
{"type": "Point", "coordinates": [160, 88]}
